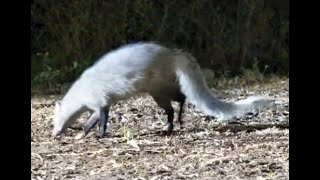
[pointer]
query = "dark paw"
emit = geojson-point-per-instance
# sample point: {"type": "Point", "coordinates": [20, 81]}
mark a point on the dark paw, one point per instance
{"type": "Point", "coordinates": [86, 131]}
{"type": "Point", "coordinates": [101, 134]}
{"type": "Point", "coordinates": [167, 129]}
{"type": "Point", "coordinates": [87, 127]}
{"type": "Point", "coordinates": [98, 136]}
{"type": "Point", "coordinates": [181, 123]}
{"type": "Point", "coordinates": [165, 133]}
{"type": "Point", "coordinates": [209, 118]}
{"type": "Point", "coordinates": [102, 131]}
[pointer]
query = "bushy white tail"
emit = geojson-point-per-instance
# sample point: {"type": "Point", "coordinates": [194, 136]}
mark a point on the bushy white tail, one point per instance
{"type": "Point", "coordinates": [197, 92]}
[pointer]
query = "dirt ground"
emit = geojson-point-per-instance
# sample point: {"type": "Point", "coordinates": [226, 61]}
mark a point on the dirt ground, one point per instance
{"type": "Point", "coordinates": [134, 149]}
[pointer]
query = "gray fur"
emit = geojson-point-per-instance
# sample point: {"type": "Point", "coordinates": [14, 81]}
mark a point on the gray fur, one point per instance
{"type": "Point", "coordinates": [143, 68]}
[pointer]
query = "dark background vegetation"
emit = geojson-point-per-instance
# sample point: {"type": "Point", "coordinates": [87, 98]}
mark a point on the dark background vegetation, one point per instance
{"type": "Point", "coordinates": [227, 37]}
